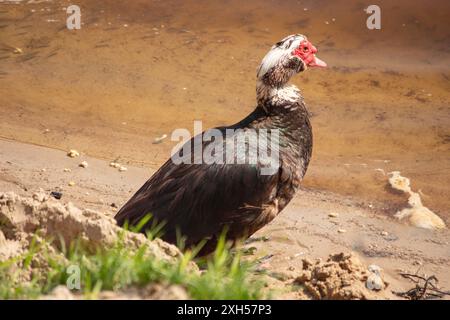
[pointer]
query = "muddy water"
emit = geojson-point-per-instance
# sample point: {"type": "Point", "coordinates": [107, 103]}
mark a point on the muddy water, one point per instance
{"type": "Point", "coordinates": [139, 69]}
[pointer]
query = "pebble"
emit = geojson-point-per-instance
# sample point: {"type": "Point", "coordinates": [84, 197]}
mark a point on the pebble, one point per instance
{"type": "Point", "coordinates": [384, 233]}
{"type": "Point", "coordinates": [55, 194]}
{"type": "Point", "coordinates": [122, 169]}
{"type": "Point", "coordinates": [73, 153]}
{"type": "Point", "coordinates": [71, 184]}
{"type": "Point", "coordinates": [67, 170]}
{"type": "Point", "coordinates": [374, 282]}
{"type": "Point", "coordinates": [374, 269]}
{"type": "Point", "coordinates": [333, 214]}
{"type": "Point", "coordinates": [342, 230]}
{"type": "Point", "coordinates": [114, 165]}
{"type": "Point", "coordinates": [83, 164]}
{"type": "Point", "coordinates": [159, 139]}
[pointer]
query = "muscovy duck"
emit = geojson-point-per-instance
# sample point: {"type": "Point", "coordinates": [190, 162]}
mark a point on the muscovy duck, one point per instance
{"type": "Point", "coordinates": [198, 199]}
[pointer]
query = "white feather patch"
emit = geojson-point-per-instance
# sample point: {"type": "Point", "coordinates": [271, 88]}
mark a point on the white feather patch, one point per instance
{"type": "Point", "coordinates": [278, 52]}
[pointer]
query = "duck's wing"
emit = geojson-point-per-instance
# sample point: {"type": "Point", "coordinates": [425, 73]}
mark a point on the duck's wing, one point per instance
{"type": "Point", "coordinates": [200, 199]}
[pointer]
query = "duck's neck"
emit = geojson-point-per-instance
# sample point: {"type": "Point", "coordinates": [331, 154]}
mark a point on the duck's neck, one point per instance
{"type": "Point", "coordinates": [275, 96]}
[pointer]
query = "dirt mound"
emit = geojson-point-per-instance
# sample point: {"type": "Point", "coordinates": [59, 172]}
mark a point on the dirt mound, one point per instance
{"type": "Point", "coordinates": [28, 225]}
{"type": "Point", "coordinates": [41, 217]}
{"type": "Point", "coordinates": [341, 277]}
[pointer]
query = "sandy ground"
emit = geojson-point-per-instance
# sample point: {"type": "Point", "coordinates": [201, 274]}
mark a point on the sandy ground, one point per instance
{"type": "Point", "coordinates": [303, 230]}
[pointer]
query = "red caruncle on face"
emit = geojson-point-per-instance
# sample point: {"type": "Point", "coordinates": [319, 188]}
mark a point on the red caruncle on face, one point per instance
{"type": "Point", "coordinates": [306, 51]}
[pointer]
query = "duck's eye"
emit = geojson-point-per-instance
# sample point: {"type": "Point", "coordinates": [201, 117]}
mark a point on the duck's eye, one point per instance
{"type": "Point", "coordinates": [305, 49]}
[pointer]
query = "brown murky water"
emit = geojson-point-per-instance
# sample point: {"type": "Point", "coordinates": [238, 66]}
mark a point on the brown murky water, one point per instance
{"type": "Point", "coordinates": [139, 69]}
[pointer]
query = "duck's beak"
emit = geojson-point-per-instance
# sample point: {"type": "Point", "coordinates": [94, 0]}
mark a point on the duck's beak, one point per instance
{"type": "Point", "coordinates": [316, 62]}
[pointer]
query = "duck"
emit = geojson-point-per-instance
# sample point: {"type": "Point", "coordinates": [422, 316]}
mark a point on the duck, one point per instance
{"type": "Point", "coordinates": [248, 183]}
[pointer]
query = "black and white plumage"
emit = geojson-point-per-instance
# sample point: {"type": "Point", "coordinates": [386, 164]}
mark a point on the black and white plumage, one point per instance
{"type": "Point", "coordinates": [199, 200]}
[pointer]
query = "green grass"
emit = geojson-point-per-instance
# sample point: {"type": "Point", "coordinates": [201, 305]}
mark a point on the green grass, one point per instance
{"type": "Point", "coordinates": [224, 276]}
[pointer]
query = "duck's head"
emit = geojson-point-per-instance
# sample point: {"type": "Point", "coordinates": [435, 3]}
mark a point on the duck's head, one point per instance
{"type": "Point", "coordinates": [287, 57]}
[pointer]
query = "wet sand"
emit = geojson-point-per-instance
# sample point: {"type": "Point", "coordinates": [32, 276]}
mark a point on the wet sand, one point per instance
{"type": "Point", "coordinates": [140, 69]}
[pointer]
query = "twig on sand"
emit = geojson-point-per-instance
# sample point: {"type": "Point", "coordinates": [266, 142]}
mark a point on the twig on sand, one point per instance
{"type": "Point", "coordinates": [426, 288]}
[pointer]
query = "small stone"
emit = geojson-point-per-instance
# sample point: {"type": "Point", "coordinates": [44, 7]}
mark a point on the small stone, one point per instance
{"type": "Point", "coordinates": [83, 164]}
{"type": "Point", "coordinates": [384, 233]}
{"type": "Point", "coordinates": [122, 169]}
{"type": "Point", "coordinates": [298, 254]}
{"type": "Point", "coordinates": [71, 184]}
{"type": "Point", "coordinates": [56, 194]}
{"type": "Point", "coordinates": [374, 282]}
{"type": "Point", "coordinates": [342, 231]}
{"type": "Point", "coordinates": [114, 165]}
{"type": "Point", "coordinates": [374, 268]}
{"type": "Point", "coordinates": [67, 170]}
{"type": "Point", "coordinates": [73, 153]}
{"type": "Point", "coordinates": [333, 214]}
{"type": "Point", "coordinates": [164, 136]}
